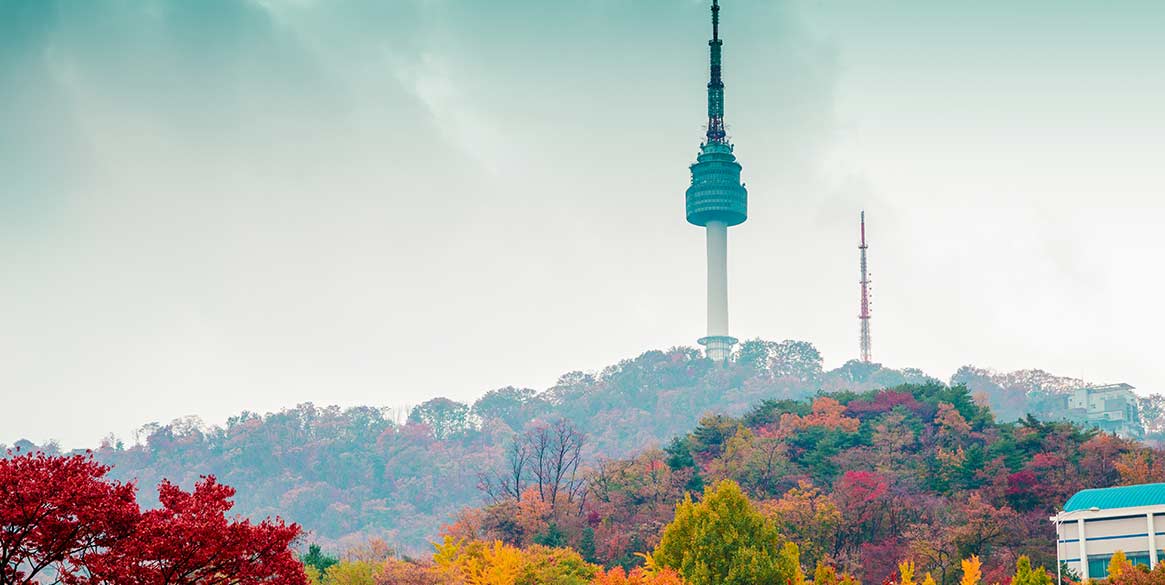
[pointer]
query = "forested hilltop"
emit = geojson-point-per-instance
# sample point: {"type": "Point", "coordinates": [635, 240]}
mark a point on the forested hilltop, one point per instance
{"type": "Point", "coordinates": [351, 474]}
{"type": "Point", "coordinates": [857, 480]}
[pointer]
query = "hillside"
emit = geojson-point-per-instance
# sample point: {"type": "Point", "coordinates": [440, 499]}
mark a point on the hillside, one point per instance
{"type": "Point", "coordinates": [351, 474]}
{"type": "Point", "coordinates": [857, 479]}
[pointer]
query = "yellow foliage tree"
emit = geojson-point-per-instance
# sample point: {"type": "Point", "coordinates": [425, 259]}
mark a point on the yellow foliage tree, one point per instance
{"type": "Point", "coordinates": [906, 573]}
{"type": "Point", "coordinates": [1118, 564]}
{"type": "Point", "coordinates": [972, 571]}
{"type": "Point", "coordinates": [928, 580]}
{"type": "Point", "coordinates": [313, 575]}
{"type": "Point", "coordinates": [352, 573]}
{"type": "Point", "coordinates": [824, 575]}
{"type": "Point", "coordinates": [479, 563]}
{"type": "Point", "coordinates": [497, 564]}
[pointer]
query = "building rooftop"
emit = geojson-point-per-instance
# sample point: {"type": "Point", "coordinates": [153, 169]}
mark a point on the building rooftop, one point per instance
{"type": "Point", "coordinates": [1110, 388]}
{"type": "Point", "coordinates": [1130, 496]}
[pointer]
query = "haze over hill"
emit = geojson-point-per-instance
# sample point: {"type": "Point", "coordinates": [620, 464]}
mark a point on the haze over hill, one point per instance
{"type": "Point", "coordinates": [347, 474]}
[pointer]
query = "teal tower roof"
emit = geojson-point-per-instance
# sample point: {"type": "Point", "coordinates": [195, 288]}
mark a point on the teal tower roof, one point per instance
{"type": "Point", "coordinates": [1130, 496]}
{"type": "Point", "coordinates": [716, 193]}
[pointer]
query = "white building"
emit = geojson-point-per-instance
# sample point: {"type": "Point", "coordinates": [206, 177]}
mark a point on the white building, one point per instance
{"type": "Point", "coordinates": [1112, 409]}
{"type": "Point", "coordinates": [1098, 522]}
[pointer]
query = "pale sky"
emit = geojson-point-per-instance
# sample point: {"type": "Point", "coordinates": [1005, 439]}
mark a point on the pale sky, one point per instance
{"type": "Point", "coordinates": [213, 206]}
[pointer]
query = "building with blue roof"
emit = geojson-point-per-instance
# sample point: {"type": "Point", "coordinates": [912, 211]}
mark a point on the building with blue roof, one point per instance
{"type": "Point", "coordinates": [1096, 523]}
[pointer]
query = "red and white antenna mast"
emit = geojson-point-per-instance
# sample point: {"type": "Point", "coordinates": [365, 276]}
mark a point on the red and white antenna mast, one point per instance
{"type": "Point", "coordinates": [864, 317]}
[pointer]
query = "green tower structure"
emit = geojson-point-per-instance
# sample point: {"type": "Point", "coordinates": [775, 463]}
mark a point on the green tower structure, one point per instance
{"type": "Point", "coordinates": [716, 200]}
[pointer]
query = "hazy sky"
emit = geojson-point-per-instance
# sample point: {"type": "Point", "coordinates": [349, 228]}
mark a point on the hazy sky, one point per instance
{"type": "Point", "coordinates": [221, 205]}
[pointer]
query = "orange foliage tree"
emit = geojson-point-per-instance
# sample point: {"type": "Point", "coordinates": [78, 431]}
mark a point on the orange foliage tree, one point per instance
{"type": "Point", "coordinates": [637, 576]}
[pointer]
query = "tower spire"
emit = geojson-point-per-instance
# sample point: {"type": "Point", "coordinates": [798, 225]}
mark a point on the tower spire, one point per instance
{"type": "Point", "coordinates": [864, 316]}
{"type": "Point", "coordinates": [716, 132]}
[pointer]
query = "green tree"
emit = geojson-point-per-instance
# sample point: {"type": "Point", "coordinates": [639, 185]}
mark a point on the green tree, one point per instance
{"type": "Point", "coordinates": [798, 360]}
{"type": "Point", "coordinates": [561, 566]}
{"type": "Point", "coordinates": [755, 353]}
{"type": "Point", "coordinates": [1026, 575]}
{"type": "Point", "coordinates": [513, 406]}
{"type": "Point", "coordinates": [317, 559]}
{"type": "Point", "coordinates": [446, 417]}
{"type": "Point", "coordinates": [722, 540]}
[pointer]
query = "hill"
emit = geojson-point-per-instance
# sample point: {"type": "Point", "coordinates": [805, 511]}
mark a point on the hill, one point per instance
{"type": "Point", "coordinates": [859, 480]}
{"type": "Point", "coordinates": [350, 474]}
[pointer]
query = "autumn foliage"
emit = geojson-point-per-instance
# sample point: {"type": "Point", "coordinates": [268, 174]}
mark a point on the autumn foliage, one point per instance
{"type": "Point", "coordinates": [61, 517]}
{"type": "Point", "coordinates": [638, 576]}
{"type": "Point", "coordinates": [859, 468]}
{"type": "Point", "coordinates": [856, 481]}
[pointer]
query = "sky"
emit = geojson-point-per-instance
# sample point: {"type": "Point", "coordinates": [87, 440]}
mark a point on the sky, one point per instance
{"type": "Point", "coordinates": [226, 205]}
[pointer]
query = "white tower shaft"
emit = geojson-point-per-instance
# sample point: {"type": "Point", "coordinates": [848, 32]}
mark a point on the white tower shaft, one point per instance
{"type": "Point", "coordinates": [717, 278]}
{"type": "Point", "coordinates": [718, 290]}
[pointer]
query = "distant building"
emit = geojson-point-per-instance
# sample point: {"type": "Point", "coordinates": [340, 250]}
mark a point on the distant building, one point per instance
{"type": "Point", "coordinates": [1111, 408]}
{"type": "Point", "coordinates": [1098, 522]}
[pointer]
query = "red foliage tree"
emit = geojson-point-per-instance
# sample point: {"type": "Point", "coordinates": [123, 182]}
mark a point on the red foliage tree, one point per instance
{"type": "Point", "coordinates": [883, 401]}
{"type": "Point", "coordinates": [190, 541]}
{"type": "Point", "coordinates": [57, 511]}
{"type": "Point", "coordinates": [1021, 490]}
{"type": "Point", "coordinates": [60, 518]}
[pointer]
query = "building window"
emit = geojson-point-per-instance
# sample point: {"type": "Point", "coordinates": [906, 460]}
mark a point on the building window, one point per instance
{"type": "Point", "coordinates": [1098, 564]}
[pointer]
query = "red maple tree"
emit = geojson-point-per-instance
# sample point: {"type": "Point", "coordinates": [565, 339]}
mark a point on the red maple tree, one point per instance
{"type": "Point", "coordinates": [190, 541]}
{"type": "Point", "coordinates": [61, 519]}
{"type": "Point", "coordinates": [55, 512]}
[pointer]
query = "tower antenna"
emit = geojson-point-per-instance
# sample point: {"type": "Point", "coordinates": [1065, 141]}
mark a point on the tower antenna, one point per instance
{"type": "Point", "coordinates": [716, 132]}
{"type": "Point", "coordinates": [864, 317]}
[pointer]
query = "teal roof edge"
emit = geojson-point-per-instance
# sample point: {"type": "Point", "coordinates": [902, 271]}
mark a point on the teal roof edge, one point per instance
{"type": "Point", "coordinates": [1129, 496]}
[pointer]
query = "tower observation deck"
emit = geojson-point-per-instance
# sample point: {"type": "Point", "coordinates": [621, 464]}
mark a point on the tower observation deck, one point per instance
{"type": "Point", "coordinates": [715, 201]}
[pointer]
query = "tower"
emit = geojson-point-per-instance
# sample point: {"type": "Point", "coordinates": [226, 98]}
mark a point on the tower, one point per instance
{"type": "Point", "coordinates": [715, 201]}
{"type": "Point", "coordinates": [864, 316]}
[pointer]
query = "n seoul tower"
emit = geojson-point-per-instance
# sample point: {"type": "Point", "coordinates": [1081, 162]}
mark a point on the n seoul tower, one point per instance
{"type": "Point", "coordinates": [715, 201]}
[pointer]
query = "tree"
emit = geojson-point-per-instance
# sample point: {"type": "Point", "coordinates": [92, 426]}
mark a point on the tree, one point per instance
{"type": "Point", "coordinates": [935, 547]}
{"type": "Point", "coordinates": [445, 417]}
{"type": "Point", "coordinates": [637, 576]}
{"type": "Point", "coordinates": [190, 541]}
{"type": "Point", "coordinates": [479, 563]}
{"type": "Point", "coordinates": [1026, 575]}
{"type": "Point", "coordinates": [1118, 564]}
{"type": "Point", "coordinates": [55, 512]}
{"type": "Point", "coordinates": [906, 573]}
{"type": "Point", "coordinates": [399, 572]}
{"type": "Point", "coordinates": [797, 360]}
{"type": "Point", "coordinates": [809, 518]}
{"type": "Point", "coordinates": [722, 540]}
{"type": "Point", "coordinates": [556, 452]}
{"type": "Point", "coordinates": [61, 514]}
{"type": "Point", "coordinates": [352, 573]}
{"type": "Point", "coordinates": [972, 571]}
{"type": "Point", "coordinates": [1140, 466]}
{"type": "Point", "coordinates": [316, 558]}
{"type": "Point", "coordinates": [561, 566]}
{"type": "Point", "coordinates": [513, 406]}
{"type": "Point", "coordinates": [755, 353]}
{"type": "Point", "coordinates": [546, 458]}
